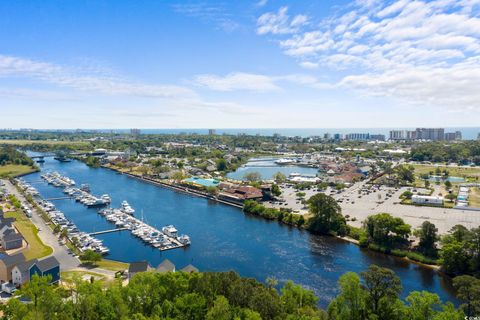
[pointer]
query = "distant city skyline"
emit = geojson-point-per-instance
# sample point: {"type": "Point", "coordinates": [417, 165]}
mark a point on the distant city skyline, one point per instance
{"type": "Point", "coordinates": [249, 64]}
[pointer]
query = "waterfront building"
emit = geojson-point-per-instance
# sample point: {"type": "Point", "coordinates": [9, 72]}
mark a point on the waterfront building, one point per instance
{"type": "Point", "coordinates": [136, 267]}
{"type": "Point", "coordinates": [358, 136]}
{"type": "Point", "coordinates": [452, 136]}
{"type": "Point", "coordinates": [211, 132]}
{"type": "Point", "coordinates": [377, 137]}
{"type": "Point", "coordinates": [135, 133]}
{"type": "Point", "coordinates": [21, 272]}
{"type": "Point", "coordinates": [337, 136]}
{"type": "Point", "coordinates": [327, 136]}
{"type": "Point", "coordinates": [166, 266]}
{"type": "Point", "coordinates": [189, 269]}
{"type": "Point", "coordinates": [434, 134]}
{"type": "Point", "coordinates": [398, 135]}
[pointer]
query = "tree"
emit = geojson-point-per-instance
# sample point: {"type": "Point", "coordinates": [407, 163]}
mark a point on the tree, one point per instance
{"type": "Point", "coordinates": [422, 305]}
{"type": "Point", "coordinates": [350, 304]}
{"type": "Point", "coordinates": [428, 237]}
{"type": "Point", "coordinates": [327, 215]}
{"type": "Point", "coordinates": [279, 177]}
{"type": "Point", "coordinates": [178, 176]}
{"type": "Point", "coordinates": [448, 184]}
{"type": "Point", "coordinates": [276, 190]}
{"type": "Point", "coordinates": [382, 286]}
{"type": "Point", "coordinates": [294, 297]}
{"type": "Point", "coordinates": [384, 229]}
{"type": "Point", "coordinates": [221, 165]}
{"type": "Point", "coordinates": [221, 310]}
{"type": "Point", "coordinates": [90, 257]}
{"type": "Point", "coordinates": [468, 290]}
{"type": "Point", "coordinates": [405, 173]}
{"type": "Point", "coordinates": [252, 177]}
{"type": "Point", "coordinates": [211, 190]}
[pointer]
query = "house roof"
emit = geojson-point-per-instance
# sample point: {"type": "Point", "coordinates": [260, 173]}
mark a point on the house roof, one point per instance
{"type": "Point", "coordinates": [12, 260]}
{"type": "Point", "coordinates": [25, 266]}
{"type": "Point", "coordinates": [47, 264]}
{"type": "Point", "coordinates": [138, 266]}
{"type": "Point", "coordinates": [166, 266]}
{"type": "Point", "coordinates": [12, 236]}
{"type": "Point", "coordinates": [189, 269]}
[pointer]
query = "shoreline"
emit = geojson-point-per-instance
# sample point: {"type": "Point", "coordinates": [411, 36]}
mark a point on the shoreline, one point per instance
{"type": "Point", "coordinates": [187, 191]}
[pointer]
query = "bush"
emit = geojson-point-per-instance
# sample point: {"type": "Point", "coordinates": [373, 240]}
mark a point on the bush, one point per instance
{"type": "Point", "coordinates": [416, 256]}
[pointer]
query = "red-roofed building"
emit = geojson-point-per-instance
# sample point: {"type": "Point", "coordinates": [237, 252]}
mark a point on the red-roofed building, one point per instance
{"type": "Point", "coordinates": [240, 194]}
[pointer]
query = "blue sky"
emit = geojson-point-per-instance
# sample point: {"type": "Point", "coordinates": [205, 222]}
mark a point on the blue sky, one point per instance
{"type": "Point", "coordinates": [239, 64]}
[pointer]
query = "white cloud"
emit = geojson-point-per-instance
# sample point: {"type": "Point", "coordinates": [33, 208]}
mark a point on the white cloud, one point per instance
{"type": "Point", "coordinates": [236, 81]}
{"type": "Point", "coordinates": [82, 80]}
{"type": "Point", "coordinates": [280, 22]}
{"type": "Point", "coordinates": [412, 50]}
{"type": "Point", "coordinates": [254, 82]}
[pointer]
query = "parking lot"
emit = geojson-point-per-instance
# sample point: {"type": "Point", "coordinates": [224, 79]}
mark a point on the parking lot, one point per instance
{"type": "Point", "coordinates": [383, 199]}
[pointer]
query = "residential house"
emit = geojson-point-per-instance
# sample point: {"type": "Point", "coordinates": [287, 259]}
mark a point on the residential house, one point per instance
{"type": "Point", "coordinates": [136, 267]}
{"type": "Point", "coordinates": [7, 263]}
{"type": "Point", "coordinates": [21, 272]}
{"type": "Point", "coordinates": [189, 269]}
{"type": "Point", "coordinates": [11, 240]}
{"type": "Point", "coordinates": [166, 266]}
{"type": "Point", "coordinates": [46, 267]}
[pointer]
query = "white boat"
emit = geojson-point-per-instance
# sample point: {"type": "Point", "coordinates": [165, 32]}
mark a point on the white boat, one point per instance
{"type": "Point", "coordinates": [284, 161]}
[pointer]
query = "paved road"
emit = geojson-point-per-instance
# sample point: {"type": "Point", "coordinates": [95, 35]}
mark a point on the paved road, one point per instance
{"type": "Point", "coordinates": [67, 261]}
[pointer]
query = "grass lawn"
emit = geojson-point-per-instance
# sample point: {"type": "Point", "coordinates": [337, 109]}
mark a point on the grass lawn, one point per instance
{"type": "Point", "coordinates": [13, 170]}
{"type": "Point", "coordinates": [29, 232]}
{"type": "Point", "coordinates": [112, 265]}
{"type": "Point", "coordinates": [473, 173]}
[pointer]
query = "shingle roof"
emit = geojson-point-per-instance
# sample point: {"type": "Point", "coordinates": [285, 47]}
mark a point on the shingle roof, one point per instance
{"type": "Point", "coordinates": [138, 266]}
{"type": "Point", "coordinates": [166, 266]}
{"type": "Point", "coordinates": [25, 266]}
{"type": "Point", "coordinates": [13, 259]}
{"type": "Point", "coordinates": [189, 269]}
{"type": "Point", "coordinates": [47, 263]}
{"type": "Point", "coordinates": [12, 236]}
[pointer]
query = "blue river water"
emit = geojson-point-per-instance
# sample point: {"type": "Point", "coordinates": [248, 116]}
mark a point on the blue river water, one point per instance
{"type": "Point", "coordinates": [223, 238]}
{"type": "Point", "coordinates": [267, 168]}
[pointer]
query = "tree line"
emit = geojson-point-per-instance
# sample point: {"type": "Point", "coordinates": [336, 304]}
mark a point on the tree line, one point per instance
{"type": "Point", "coordinates": [372, 294]}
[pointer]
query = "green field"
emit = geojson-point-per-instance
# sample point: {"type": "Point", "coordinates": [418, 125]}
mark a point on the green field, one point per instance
{"type": "Point", "coordinates": [112, 265]}
{"type": "Point", "coordinates": [467, 172]}
{"type": "Point", "coordinates": [36, 249]}
{"type": "Point", "coordinates": [13, 170]}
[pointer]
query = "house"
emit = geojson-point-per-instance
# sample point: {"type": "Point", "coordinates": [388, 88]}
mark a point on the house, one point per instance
{"type": "Point", "coordinates": [48, 266]}
{"type": "Point", "coordinates": [7, 262]}
{"type": "Point", "coordinates": [21, 272]}
{"type": "Point", "coordinates": [136, 267]}
{"type": "Point", "coordinates": [11, 240]}
{"type": "Point", "coordinates": [189, 269]}
{"type": "Point", "coordinates": [166, 266]}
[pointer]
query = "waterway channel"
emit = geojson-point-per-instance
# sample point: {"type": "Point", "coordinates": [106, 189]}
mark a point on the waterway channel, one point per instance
{"type": "Point", "coordinates": [223, 238]}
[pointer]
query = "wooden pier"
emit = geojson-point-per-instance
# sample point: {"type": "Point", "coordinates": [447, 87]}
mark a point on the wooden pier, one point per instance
{"type": "Point", "coordinates": [107, 231]}
{"type": "Point", "coordinates": [59, 198]}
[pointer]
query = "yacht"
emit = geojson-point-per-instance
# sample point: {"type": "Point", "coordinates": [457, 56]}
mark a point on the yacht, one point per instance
{"type": "Point", "coordinates": [284, 161]}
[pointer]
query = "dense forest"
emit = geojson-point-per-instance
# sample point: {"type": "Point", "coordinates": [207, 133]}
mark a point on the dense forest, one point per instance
{"type": "Point", "coordinates": [463, 152]}
{"type": "Point", "coordinates": [9, 155]}
{"type": "Point", "coordinates": [373, 294]}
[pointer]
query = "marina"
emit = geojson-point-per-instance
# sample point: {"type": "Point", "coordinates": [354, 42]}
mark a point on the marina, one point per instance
{"type": "Point", "coordinates": [82, 240]}
{"type": "Point", "coordinates": [165, 239]}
